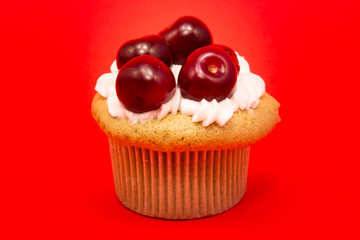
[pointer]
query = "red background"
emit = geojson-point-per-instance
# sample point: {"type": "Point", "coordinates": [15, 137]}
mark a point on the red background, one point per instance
{"type": "Point", "coordinates": [55, 174]}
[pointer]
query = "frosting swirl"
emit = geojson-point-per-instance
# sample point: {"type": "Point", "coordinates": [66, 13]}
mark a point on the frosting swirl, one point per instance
{"type": "Point", "coordinates": [249, 88]}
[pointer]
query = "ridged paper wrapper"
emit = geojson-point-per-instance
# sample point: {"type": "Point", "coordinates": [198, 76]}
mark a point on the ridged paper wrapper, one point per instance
{"type": "Point", "coordinates": [178, 185]}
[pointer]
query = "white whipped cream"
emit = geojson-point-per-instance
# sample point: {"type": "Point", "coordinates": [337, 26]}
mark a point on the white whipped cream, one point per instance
{"type": "Point", "coordinates": [248, 90]}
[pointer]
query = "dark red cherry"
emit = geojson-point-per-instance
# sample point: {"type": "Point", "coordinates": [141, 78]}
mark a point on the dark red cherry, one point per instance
{"type": "Point", "coordinates": [210, 73]}
{"type": "Point", "coordinates": [153, 45]}
{"type": "Point", "coordinates": [231, 53]}
{"type": "Point", "coordinates": [184, 36]}
{"type": "Point", "coordinates": [144, 84]}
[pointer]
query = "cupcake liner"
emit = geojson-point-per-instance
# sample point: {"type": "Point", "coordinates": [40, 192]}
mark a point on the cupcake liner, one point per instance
{"type": "Point", "coordinates": [178, 185]}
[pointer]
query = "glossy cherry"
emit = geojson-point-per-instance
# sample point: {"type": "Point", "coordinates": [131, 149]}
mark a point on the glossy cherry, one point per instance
{"type": "Point", "coordinates": [208, 73]}
{"type": "Point", "coordinates": [231, 53]}
{"type": "Point", "coordinates": [153, 45]}
{"type": "Point", "coordinates": [184, 36]}
{"type": "Point", "coordinates": [144, 84]}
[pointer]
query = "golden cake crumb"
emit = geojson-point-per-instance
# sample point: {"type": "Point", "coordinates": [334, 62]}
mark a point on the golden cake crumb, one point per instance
{"type": "Point", "coordinates": [180, 133]}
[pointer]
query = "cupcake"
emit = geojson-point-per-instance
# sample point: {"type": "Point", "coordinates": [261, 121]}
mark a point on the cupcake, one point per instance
{"type": "Point", "coordinates": [180, 114]}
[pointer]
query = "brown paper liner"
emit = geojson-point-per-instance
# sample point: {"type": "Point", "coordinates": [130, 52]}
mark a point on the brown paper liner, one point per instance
{"type": "Point", "coordinates": [178, 185]}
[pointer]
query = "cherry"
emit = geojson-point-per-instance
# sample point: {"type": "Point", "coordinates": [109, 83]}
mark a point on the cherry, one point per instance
{"type": "Point", "coordinates": [144, 84]}
{"type": "Point", "coordinates": [184, 36]}
{"type": "Point", "coordinates": [153, 45]}
{"type": "Point", "coordinates": [231, 53]}
{"type": "Point", "coordinates": [208, 73]}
